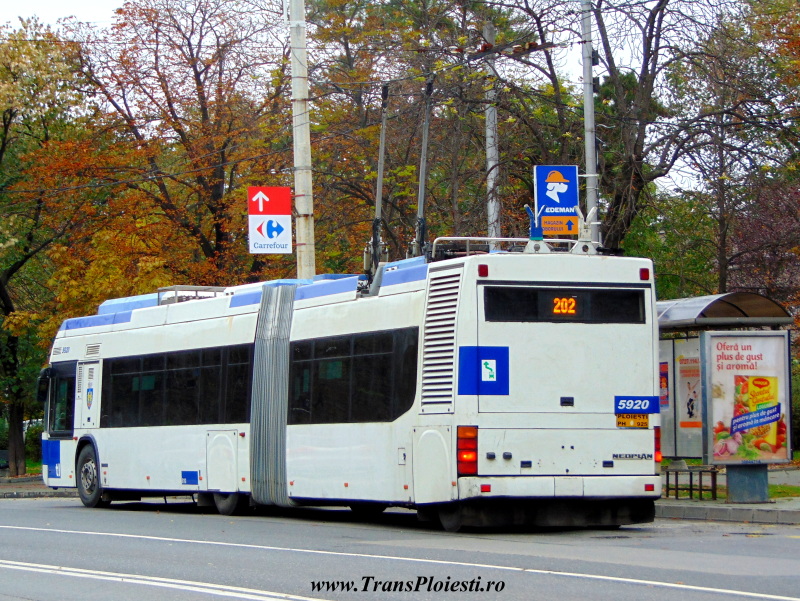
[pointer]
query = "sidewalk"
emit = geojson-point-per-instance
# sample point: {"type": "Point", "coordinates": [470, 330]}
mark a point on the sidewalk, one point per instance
{"type": "Point", "coordinates": [777, 511]}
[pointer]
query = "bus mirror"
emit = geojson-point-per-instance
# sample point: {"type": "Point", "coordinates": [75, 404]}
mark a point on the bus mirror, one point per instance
{"type": "Point", "coordinates": [44, 385]}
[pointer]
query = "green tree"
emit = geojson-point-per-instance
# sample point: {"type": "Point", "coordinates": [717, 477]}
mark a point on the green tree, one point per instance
{"type": "Point", "coordinates": [677, 233]}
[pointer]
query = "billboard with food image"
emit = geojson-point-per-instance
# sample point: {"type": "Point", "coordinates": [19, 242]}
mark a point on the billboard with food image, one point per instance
{"type": "Point", "coordinates": [748, 388]}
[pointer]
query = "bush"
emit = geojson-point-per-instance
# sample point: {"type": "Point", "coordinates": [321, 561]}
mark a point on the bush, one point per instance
{"type": "Point", "coordinates": [33, 442]}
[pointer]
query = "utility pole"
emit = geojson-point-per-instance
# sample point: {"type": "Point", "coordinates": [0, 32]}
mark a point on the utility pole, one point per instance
{"type": "Point", "coordinates": [588, 118]}
{"type": "Point", "coordinates": [303, 186]}
{"type": "Point", "coordinates": [492, 154]}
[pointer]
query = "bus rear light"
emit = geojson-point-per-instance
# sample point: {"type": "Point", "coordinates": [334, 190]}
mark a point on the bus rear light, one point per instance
{"type": "Point", "coordinates": [483, 270]}
{"type": "Point", "coordinates": [649, 487]}
{"type": "Point", "coordinates": [486, 488]}
{"type": "Point", "coordinates": [467, 450]}
{"type": "Point", "coordinates": [464, 432]}
{"type": "Point", "coordinates": [644, 274]}
{"type": "Point", "coordinates": [657, 437]}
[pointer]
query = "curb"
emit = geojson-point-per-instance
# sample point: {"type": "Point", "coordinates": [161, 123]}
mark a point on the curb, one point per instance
{"type": "Point", "coordinates": [37, 494]}
{"type": "Point", "coordinates": [722, 513]}
{"type": "Point", "coordinates": [23, 480]}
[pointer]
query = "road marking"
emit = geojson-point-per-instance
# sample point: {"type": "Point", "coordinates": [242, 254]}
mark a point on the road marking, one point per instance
{"type": "Point", "coordinates": [184, 585]}
{"type": "Point", "coordinates": [637, 581]}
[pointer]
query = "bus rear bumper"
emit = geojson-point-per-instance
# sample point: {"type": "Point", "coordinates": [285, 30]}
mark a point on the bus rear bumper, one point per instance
{"type": "Point", "coordinates": [598, 487]}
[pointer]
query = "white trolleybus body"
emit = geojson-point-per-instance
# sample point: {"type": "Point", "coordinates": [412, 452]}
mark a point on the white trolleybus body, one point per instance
{"type": "Point", "coordinates": [509, 387]}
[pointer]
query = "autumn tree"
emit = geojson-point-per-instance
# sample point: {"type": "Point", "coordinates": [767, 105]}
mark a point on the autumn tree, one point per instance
{"type": "Point", "coordinates": [37, 106]}
{"type": "Point", "coordinates": [405, 45]}
{"type": "Point", "coordinates": [195, 92]}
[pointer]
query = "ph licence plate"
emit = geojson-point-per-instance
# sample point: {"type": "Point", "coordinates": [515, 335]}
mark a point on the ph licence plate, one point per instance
{"type": "Point", "coordinates": [633, 420]}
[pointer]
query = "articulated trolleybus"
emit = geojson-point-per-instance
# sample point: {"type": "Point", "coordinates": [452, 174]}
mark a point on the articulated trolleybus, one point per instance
{"type": "Point", "coordinates": [484, 388]}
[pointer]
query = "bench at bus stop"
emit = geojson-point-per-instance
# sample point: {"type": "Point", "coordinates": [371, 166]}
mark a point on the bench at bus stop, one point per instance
{"type": "Point", "coordinates": [678, 473]}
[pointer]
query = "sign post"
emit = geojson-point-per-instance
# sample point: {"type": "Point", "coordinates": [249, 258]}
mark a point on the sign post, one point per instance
{"type": "Point", "coordinates": [269, 212]}
{"type": "Point", "coordinates": [556, 194]}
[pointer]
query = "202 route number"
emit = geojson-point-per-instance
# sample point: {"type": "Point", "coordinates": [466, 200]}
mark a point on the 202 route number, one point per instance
{"type": "Point", "coordinates": [564, 305]}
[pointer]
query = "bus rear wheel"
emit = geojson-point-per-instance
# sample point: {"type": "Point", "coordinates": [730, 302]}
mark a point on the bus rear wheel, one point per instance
{"type": "Point", "coordinates": [89, 488]}
{"type": "Point", "coordinates": [230, 503]}
{"type": "Point", "coordinates": [451, 517]}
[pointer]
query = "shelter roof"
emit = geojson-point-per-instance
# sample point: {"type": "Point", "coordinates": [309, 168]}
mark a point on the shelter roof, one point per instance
{"type": "Point", "coordinates": [730, 310]}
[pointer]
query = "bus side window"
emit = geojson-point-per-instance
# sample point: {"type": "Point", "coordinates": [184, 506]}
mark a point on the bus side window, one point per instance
{"type": "Point", "coordinates": [405, 370]}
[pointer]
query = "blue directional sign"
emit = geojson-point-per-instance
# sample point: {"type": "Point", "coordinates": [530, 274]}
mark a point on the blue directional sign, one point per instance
{"type": "Point", "coordinates": [556, 193]}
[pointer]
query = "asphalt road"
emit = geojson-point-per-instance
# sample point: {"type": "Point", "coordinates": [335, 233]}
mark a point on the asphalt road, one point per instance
{"type": "Point", "coordinates": [55, 549]}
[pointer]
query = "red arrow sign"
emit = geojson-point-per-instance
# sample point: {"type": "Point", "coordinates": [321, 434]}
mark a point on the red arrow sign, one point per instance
{"type": "Point", "coordinates": [263, 200]}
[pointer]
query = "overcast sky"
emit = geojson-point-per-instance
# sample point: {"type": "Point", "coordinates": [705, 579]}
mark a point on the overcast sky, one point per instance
{"type": "Point", "coordinates": [99, 12]}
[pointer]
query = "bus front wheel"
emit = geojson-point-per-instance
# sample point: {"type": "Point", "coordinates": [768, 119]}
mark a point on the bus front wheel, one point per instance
{"type": "Point", "coordinates": [89, 488]}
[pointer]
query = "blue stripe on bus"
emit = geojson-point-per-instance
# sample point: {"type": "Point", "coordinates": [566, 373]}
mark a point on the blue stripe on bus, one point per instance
{"type": "Point", "coordinates": [108, 319]}
{"type": "Point", "coordinates": [403, 276]}
{"type": "Point", "coordinates": [245, 298]}
{"type": "Point", "coordinates": [327, 287]}
{"type": "Point", "coordinates": [116, 305]}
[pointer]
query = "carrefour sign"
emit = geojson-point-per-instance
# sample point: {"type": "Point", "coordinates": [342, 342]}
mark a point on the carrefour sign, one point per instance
{"type": "Point", "coordinates": [269, 211]}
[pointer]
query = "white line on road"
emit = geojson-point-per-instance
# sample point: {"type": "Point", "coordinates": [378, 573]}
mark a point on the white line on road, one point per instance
{"type": "Point", "coordinates": [184, 585]}
{"type": "Point", "coordinates": [637, 581]}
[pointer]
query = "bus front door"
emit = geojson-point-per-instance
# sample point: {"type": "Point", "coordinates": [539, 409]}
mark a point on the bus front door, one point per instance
{"type": "Point", "coordinates": [87, 399]}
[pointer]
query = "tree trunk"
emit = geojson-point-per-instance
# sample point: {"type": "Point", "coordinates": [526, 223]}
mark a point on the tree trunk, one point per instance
{"type": "Point", "coordinates": [16, 442]}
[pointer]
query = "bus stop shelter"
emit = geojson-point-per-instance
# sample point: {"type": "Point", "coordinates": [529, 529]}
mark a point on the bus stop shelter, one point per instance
{"type": "Point", "coordinates": [680, 321]}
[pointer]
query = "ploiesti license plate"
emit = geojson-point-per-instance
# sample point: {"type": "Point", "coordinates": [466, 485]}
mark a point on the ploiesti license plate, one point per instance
{"type": "Point", "coordinates": [633, 420]}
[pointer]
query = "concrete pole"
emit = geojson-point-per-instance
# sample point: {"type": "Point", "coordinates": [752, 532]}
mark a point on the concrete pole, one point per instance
{"type": "Point", "coordinates": [492, 153]}
{"type": "Point", "coordinates": [588, 116]}
{"type": "Point", "coordinates": [303, 187]}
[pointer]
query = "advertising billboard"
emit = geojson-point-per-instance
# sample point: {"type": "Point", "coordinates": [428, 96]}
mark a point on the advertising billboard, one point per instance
{"type": "Point", "coordinates": [748, 392]}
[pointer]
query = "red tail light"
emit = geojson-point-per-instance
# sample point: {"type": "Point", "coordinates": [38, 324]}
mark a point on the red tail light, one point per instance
{"type": "Point", "coordinates": [467, 450]}
{"type": "Point", "coordinates": [657, 436]}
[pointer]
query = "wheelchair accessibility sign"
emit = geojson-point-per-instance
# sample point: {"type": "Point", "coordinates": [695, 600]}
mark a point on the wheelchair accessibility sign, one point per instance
{"type": "Point", "coordinates": [556, 195]}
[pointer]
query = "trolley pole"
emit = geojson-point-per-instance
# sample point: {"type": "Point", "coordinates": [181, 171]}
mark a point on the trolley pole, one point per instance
{"type": "Point", "coordinates": [419, 245]}
{"type": "Point", "coordinates": [376, 223]}
{"type": "Point", "coordinates": [588, 117]}
{"type": "Point", "coordinates": [303, 186]}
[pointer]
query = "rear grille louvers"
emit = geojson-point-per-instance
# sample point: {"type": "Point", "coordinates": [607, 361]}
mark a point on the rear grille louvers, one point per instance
{"type": "Point", "coordinates": [438, 346]}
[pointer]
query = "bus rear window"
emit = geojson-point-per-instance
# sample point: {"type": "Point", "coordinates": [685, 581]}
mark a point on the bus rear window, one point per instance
{"type": "Point", "coordinates": [581, 305]}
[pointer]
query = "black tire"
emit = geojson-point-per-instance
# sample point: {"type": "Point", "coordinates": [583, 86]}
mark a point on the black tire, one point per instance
{"type": "Point", "coordinates": [450, 517]}
{"type": "Point", "coordinates": [88, 479]}
{"type": "Point", "coordinates": [231, 503]}
{"type": "Point", "coordinates": [367, 510]}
